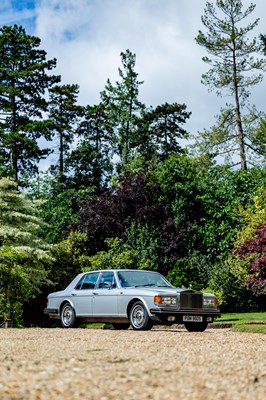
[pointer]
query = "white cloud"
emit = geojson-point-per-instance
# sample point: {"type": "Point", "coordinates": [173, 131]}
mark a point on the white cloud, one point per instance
{"type": "Point", "coordinates": [87, 36]}
{"type": "Point", "coordinates": [99, 31]}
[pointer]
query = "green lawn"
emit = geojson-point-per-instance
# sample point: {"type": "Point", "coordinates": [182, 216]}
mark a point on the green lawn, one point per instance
{"type": "Point", "coordinates": [241, 322]}
{"type": "Point", "coordinates": [245, 322]}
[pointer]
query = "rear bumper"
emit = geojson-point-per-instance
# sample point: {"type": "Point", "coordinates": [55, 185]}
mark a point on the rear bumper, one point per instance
{"type": "Point", "coordinates": [51, 311]}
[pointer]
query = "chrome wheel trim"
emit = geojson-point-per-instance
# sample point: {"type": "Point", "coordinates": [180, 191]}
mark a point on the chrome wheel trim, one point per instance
{"type": "Point", "coordinates": [138, 316]}
{"type": "Point", "coordinates": [67, 315]}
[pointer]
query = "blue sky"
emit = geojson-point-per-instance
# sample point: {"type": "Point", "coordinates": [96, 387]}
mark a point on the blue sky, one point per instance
{"type": "Point", "coordinates": [87, 36]}
{"type": "Point", "coordinates": [20, 12]}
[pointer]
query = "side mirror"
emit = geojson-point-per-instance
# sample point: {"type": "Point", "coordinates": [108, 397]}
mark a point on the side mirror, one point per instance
{"type": "Point", "coordinates": [107, 285]}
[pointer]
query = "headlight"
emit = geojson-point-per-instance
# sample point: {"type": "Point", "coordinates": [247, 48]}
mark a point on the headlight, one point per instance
{"type": "Point", "coordinates": [165, 301]}
{"type": "Point", "coordinates": [210, 302]}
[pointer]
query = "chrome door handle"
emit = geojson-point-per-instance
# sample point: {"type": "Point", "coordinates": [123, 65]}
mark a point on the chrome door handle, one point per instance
{"type": "Point", "coordinates": [73, 294]}
{"type": "Point", "coordinates": [95, 293]}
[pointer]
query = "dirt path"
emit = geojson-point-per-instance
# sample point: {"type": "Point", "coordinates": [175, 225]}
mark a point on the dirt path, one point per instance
{"type": "Point", "coordinates": [57, 364]}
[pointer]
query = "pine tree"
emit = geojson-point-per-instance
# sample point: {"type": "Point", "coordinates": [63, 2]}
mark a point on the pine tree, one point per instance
{"type": "Point", "coordinates": [123, 106]}
{"type": "Point", "coordinates": [160, 131]}
{"type": "Point", "coordinates": [24, 78]}
{"type": "Point", "coordinates": [64, 114]}
{"type": "Point", "coordinates": [234, 68]}
{"type": "Point", "coordinates": [91, 160]}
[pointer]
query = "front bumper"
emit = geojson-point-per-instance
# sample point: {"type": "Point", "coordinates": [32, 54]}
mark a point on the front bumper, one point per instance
{"type": "Point", "coordinates": [190, 311]}
{"type": "Point", "coordinates": [163, 315]}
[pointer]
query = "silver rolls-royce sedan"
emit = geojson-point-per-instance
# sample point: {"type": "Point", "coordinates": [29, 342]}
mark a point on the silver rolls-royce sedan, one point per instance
{"type": "Point", "coordinates": [125, 297]}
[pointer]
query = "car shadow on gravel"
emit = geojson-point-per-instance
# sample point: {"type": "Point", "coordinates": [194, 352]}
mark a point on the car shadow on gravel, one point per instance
{"type": "Point", "coordinates": [182, 329]}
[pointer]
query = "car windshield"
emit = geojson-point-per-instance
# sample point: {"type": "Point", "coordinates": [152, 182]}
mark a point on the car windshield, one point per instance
{"type": "Point", "coordinates": [142, 278]}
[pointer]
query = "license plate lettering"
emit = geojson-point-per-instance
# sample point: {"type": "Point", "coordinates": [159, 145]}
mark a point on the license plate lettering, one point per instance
{"type": "Point", "coordinates": [192, 318]}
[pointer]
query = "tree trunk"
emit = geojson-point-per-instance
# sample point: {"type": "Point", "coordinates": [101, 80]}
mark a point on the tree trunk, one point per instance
{"type": "Point", "coordinates": [13, 147]}
{"type": "Point", "coordinates": [241, 142]}
{"type": "Point", "coordinates": [240, 133]}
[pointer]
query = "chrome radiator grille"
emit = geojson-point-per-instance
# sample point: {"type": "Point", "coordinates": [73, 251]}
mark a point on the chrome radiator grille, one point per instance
{"type": "Point", "coordinates": [191, 300]}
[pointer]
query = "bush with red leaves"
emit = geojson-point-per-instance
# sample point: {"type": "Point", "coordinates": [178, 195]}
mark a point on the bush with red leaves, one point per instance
{"type": "Point", "coordinates": [256, 247]}
{"type": "Point", "coordinates": [111, 214]}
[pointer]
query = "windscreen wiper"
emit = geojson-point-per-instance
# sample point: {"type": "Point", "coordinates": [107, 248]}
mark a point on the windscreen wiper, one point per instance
{"type": "Point", "coordinates": [147, 284]}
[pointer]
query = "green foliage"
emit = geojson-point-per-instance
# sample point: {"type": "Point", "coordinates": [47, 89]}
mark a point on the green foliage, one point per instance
{"type": "Point", "coordinates": [235, 277]}
{"type": "Point", "coordinates": [247, 262]}
{"type": "Point", "coordinates": [199, 197]}
{"type": "Point", "coordinates": [57, 205]}
{"type": "Point", "coordinates": [144, 240]}
{"type": "Point", "coordinates": [118, 255]}
{"type": "Point", "coordinates": [70, 259]}
{"type": "Point", "coordinates": [252, 216]}
{"type": "Point", "coordinates": [252, 252]}
{"type": "Point", "coordinates": [236, 297]}
{"type": "Point", "coordinates": [223, 194]}
{"type": "Point", "coordinates": [138, 252]}
{"type": "Point", "coordinates": [24, 77]}
{"type": "Point", "coordinates": [24, 257]}
{"type": "Point", "coordinates": [189, 272]}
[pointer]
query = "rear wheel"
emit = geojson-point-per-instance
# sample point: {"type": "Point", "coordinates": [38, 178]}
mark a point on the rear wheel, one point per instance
{"type": "Point", "coordinates": [68, 316]}
{"type": "Point", "coordinates": [196, 326]}
{"type": "Point", "coordinates": [139, 318]}
{"type": "Point", "coordinates": [120, 326]}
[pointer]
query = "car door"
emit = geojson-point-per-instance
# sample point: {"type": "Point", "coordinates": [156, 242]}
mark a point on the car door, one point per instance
{"type": "Point", "coordinates": [82, 295]}
{"type": "Point", "coordinates": [105, 296]}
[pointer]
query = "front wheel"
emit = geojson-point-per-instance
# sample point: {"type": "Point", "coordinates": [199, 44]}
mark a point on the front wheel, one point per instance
{"type": "Point", "coordinates": [139, 318]}
{"type": "Point", "coordinates": [196, 326]}
{"type": "Point", "coordinates": [68, 316]}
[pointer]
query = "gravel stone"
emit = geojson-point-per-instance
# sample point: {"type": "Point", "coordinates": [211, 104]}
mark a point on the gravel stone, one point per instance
{"type": "Point", "coordinates": [161, 364]}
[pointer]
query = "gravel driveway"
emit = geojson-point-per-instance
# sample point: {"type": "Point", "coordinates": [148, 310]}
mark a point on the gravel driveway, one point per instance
{"type": "Point", "coordinates": [57, 364]}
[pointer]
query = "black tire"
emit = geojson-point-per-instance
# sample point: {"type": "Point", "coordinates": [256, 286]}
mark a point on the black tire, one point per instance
{"type": "Point", "coordinates": [120, 326]}
{"type": "Point", "coordinates": [196, 326]}
{"type": "Point", "coordinates": [68, 316]}
{"type": "Point", "coordinates": [139, 318]}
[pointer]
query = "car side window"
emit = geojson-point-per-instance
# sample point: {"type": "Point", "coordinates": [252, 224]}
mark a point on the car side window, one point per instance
{"type": "Point", "coordinates": [122, 279]}
{"type": "Point", "coordinates": [107, 280]}
{"type": "Point", "coordinates": [88, 281]}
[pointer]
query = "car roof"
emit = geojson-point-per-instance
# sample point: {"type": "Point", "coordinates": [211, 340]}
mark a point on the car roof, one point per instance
{"type": "Point", "coordinates": [117, 270]}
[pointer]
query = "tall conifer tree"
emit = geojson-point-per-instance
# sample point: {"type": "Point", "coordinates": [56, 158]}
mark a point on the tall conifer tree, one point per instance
{"type": "Point", "coordinates": [64, 113]}
{"type": "Point", "coordinates": [123, 106]}
{"type": "Point", "coordinates": [235, 68]}
{"type": "Point", "coordinates": [91, 160]}
{"type": "Point", "coordinates": [24, 77]}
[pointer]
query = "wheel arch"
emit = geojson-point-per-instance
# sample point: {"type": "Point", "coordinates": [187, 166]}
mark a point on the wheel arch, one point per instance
{"type": "Point", "coordinates": [132, 301]}
{"type": "Point", "coordinates": [66, 301]}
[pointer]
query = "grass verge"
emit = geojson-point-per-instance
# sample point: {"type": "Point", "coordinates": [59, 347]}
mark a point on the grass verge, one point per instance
{"type": "Point", "coordinates": [245, 322]}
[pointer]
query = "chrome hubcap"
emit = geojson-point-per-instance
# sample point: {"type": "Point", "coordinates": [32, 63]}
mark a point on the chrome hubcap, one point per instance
{"type": "Point", "coordinates": [67, 315]}
{"type": "Point", "coordinates": [138, 316]}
